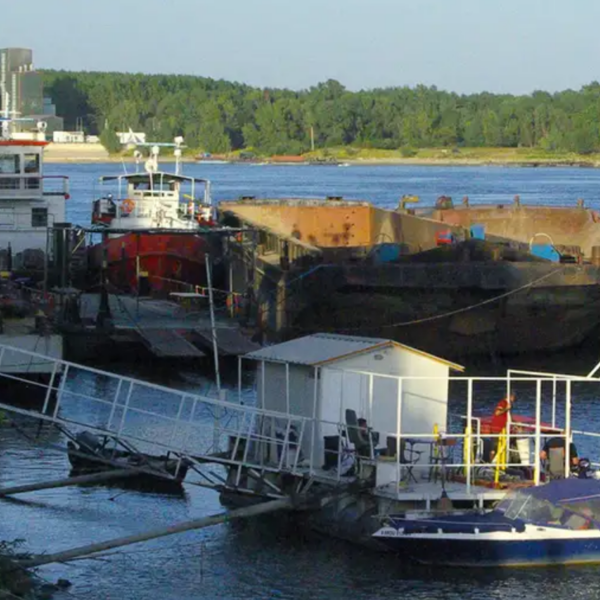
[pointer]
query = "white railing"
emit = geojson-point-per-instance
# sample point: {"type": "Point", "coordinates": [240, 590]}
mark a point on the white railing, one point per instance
{"type": "Point", "coordinates": [155, 418]}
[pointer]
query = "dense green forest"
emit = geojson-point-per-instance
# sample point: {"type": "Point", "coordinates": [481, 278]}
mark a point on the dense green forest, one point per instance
{"type": "Point", "coordinates": [219, 116]}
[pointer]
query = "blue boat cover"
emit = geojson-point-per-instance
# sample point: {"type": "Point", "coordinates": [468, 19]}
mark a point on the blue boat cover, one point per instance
{"type": "Point", "coordinates": [562, 491]}
{"type": "Point", "coordinates": [463, 523]}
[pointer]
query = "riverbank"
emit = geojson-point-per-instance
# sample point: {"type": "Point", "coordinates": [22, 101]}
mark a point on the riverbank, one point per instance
{"type": "Point", "coordinates": [530, 157]}
{"type": "Point", "coordinates": [509, 157]}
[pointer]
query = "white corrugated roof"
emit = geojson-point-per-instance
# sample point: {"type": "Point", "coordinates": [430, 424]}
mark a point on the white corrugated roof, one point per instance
{"type": "Point", "coordinates": [320, 348]}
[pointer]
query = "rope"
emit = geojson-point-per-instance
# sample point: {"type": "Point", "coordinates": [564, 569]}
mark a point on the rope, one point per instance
{"type": "Point", "coordinates": [464, 309]}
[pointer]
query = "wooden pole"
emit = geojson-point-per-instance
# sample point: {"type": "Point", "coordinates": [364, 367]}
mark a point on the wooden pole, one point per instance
{"type": "Point", "coordinates": [240, 513]}
{"type": "Point", "coordinates": [45, 485]}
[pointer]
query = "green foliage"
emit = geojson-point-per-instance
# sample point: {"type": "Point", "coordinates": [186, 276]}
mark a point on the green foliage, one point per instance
{"type": "Point", "coordinates": [408, 152]}
{"type": "Point", "coordinates": [110, 140]}
{"type": "Point", "coordinates": [219, 116]}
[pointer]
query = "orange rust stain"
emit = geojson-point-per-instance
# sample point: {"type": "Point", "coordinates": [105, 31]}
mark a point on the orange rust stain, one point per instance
{"type": "Point", "coordinates": [326, 226]}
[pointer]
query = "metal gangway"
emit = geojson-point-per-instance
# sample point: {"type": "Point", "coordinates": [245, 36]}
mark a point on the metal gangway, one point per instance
{"type": "Point", "coordinates": [142, 417]}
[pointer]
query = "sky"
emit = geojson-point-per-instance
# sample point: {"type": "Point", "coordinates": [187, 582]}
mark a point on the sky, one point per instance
{"type": "Point", "coordinates": [507, 46]}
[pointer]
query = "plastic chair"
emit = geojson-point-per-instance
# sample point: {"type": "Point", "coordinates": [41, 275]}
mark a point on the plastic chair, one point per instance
{"type": "Point", "coordinates": [362, 444]}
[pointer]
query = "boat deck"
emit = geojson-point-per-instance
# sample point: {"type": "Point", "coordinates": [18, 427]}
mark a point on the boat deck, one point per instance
{"type": "Point", "coordinates": [167, 329]}
{"type": "Point", "coordinates": [169, 343]}
{"type": "Point", "coordinates": [230, 341]}
{"type": "Point", "coordinates": [429, 491]}
{"type": "Point", "coordinates": [420, 491]}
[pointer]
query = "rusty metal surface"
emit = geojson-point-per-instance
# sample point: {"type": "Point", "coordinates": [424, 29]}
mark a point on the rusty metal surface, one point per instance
{"type": "Point", "coordinates": [337, 224]}
{"type": "Point", "coordinates": [323, 224]}
{"type": "Point", "coordinates": [568, 226]}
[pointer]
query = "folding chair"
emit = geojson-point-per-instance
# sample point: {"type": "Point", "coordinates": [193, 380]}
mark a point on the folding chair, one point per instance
{"type": "Point", "coordinates": [409, 457]}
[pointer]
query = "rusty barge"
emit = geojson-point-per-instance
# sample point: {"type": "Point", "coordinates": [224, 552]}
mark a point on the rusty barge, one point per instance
{"type": "Point", "coordinates": [447, 281]}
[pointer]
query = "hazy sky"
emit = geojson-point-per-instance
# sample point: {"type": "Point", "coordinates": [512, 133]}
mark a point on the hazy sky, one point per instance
{"type": "Point", "coordinates": [512, 46]}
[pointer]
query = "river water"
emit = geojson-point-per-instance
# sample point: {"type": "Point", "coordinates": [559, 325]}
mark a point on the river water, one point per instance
{"type": "Point", "coordinates": [266, 558]}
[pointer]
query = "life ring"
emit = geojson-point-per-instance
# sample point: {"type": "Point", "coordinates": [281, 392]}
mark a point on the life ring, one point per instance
{"type": "Point", "coordinates": [127, 205]}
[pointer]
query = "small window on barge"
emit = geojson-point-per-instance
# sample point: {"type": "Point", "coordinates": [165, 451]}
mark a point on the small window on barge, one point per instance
{"type": "Point", "coordinates": [39, 217]}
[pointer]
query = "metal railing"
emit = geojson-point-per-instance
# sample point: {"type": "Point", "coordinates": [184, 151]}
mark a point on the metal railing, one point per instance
{"type": "Point", "coordinates": [242, 437]}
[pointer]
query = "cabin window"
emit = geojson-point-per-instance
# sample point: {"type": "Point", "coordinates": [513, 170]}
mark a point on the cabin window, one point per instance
{"type": "Point", "coordinates": [32, 163]}
{"type": "Point", "coordinates": [39, 217]}
{"type": "Point", "coordinates": [10, 183]}
{"type": "Point", "coordinates": [9, 164]}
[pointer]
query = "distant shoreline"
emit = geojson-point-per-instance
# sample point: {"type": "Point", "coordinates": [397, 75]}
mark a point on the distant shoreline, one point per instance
{"type": "Point", "coordinates": [500, 157]}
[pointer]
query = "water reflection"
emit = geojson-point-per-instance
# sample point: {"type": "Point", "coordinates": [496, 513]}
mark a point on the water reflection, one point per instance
{"type": "Point", "coordinates": [265, 558]}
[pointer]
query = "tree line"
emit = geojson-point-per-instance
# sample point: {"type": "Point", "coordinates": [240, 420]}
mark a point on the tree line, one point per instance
{"type": "Point", "coordinates": [218, 116]}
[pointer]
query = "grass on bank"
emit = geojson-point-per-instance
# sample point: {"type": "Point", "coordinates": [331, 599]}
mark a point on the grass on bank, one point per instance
{"type": "Point", "coordinates": [407, 155]}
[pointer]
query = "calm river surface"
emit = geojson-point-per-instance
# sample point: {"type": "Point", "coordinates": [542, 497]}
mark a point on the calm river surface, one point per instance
{"type": "Point", "coordinates": [265, 559]}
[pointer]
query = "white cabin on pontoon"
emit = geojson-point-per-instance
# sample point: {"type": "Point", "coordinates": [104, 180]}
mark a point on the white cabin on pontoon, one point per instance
{"type": "Point", "coordinates": [323, 376]}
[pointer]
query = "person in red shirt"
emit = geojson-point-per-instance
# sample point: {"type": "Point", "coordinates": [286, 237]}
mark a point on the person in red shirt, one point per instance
{"type": "Point", "coordinates": [500, 421]}
{"type": "Point", "coordinates": [500, 418]}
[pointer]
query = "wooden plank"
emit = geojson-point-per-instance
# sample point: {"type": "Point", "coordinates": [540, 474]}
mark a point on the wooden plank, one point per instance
{"type": "Point", "coordinates": [168, 343]}
{"type": "Point", "coordinates": [230, 341]}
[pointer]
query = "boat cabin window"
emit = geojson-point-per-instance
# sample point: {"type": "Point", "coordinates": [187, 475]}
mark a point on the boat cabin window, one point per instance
{"type": "Point", "coordinates": [32, 163]}
{"type": "Point", "coordinates": [32, 183]}
{"type": "Point", "coordinates": [9, 164]}
{"type": "Point", "coordinates": [528, 508]}
{"type": "Point", "coordinates": [39, 217]}
{"type": "Point", "coordinates": [525, 507]}
{"type": "Point", "coordinates": [588, 508]}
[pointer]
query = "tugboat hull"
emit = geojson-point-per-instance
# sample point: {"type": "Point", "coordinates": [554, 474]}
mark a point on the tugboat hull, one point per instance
{"type": "Point", "coordinates": [166, 262]}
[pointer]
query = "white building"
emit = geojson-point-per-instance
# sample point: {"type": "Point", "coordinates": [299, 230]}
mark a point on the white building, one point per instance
{"type": "Point", "coordinates": [127, 138]}
{"type": "Point", "coordinates": [68, 137]}
{"type": "Point", "coordinates": [399, 390]}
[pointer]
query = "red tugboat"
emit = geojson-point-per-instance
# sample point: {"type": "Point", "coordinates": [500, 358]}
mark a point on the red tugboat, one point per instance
{"type": "Point", "coordinates": [151, 228]}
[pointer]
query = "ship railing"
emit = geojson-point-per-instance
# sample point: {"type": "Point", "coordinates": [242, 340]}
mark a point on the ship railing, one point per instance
{"type": "Point", "coordinates": [20, 187]}
{"type": "Point", "coordinates": [441, 459]}
{"type": "Point", "coordinates": [448, 438]}
{"type": "Point", "coordinates": [56, 185]}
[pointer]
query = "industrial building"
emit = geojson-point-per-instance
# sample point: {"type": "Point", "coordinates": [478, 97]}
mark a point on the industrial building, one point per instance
{"type": "Point", "coordinates": [25, 88]}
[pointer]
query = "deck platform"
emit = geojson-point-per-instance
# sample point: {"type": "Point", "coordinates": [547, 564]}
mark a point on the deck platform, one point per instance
{"type": "Point", "coordinates": [230, 341]}
{"type": "Point", "coordinates": [168, 343]}
{"type": "Point", "coordinates": [421, 491]}
{"type": "Point", "coordinates": [165, 328]}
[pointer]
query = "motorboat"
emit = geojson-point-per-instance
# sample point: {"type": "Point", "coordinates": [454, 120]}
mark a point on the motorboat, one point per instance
{"type": "Point", "coordinates": [550, 524]}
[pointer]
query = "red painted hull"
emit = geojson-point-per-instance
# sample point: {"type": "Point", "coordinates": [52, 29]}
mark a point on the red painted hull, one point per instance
{"type": "Point", "coordinates": [169, 262]}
